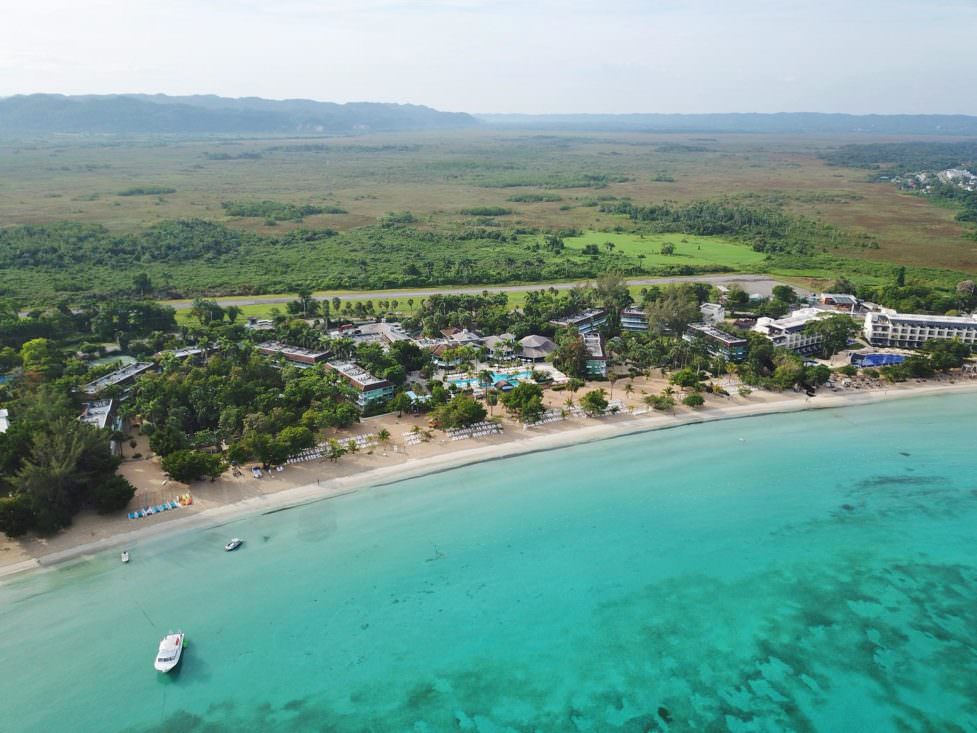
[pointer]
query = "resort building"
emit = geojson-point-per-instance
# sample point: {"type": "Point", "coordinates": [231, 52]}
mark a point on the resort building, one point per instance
{"type": "Point", "coordinates": [294, 354]}
{"type": "Point", "coordinates": [443, 355]}
{"type": "Point", "coordinates": [712, 312]}
{"type": "Point", "coordinates": [119, 376]}
{"type": "Point", "coordinates": [585, 322]}
{"type": "Point", "coordinates": [889, 328]}
{"type": "Point", "coordinates": [99, 414]}
{"type": "Point", "coordinates": [718, 342]}
{"type": "Point", "coordinates": [596, 365]}
{"type": "Point", "coordinates": [378, 333]}
{"type": "Point", "coordinates": [840, 302]}
{"type": "Point", "coordinates": [634, 319]}
{"type": "Point", "coordinates": [184, 353]}
{"type": "Point", "coordinates": [535, 348]}
{"type": "Point", "coordinates": [4, 420]}
{"type": "Point", "coordinates": [417, 399]}
{"type": "Point", "coordinates": [370, 389]}
{"type": "Point", "coordinates": [788, 332]}
{"type": "Point", "coordinates": [391, 332]}
{"type": "Point", "coordinates": [461, 337]}
{"type": "Point", "coordinates": [501, 346]}
{"type": "Point", "coordinates": [259, 324]}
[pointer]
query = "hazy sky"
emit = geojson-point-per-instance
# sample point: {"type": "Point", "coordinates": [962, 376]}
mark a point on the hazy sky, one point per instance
{"type": "Point", "coordinates": [858, 56]}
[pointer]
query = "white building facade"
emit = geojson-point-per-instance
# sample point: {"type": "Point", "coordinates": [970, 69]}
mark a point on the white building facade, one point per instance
{"type": "Point", "coordinates": [788, 332]}
{"type": "Point", "coordinates": [908, 330]}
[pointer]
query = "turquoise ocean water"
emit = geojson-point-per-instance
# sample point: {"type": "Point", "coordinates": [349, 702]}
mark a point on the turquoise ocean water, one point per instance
{"type": "Point", "coordinates": [807, 572]}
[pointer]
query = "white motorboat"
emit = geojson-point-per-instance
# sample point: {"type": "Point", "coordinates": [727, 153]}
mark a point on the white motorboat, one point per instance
{"type": "Point", "coordinates": [233, 544]}
{"type": "Point", "coordinates": [170, 651]}
{"type": "Point", "coordinates": [125, 556]}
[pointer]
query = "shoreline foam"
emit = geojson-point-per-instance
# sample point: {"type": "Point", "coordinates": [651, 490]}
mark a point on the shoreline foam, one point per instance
{"type": "Point", "coordinates": [517, 444]}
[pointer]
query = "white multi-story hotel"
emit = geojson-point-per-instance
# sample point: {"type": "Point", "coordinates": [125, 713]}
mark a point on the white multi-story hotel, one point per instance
{"type": "Point", "coordinates": [788, 332]}
{"type": "Point", "coordinates": [889, 328]}
{"type": "Point", "coordinates": [370, 389]}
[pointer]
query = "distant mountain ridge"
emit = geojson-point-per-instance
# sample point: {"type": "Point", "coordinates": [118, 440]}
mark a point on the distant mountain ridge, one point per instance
{"type": "Point", "coordinates": [777, 123]}
{"type": "Point", "coordinates": [41, 114]}
{"type": "Point", "coordinates": [145, 113]}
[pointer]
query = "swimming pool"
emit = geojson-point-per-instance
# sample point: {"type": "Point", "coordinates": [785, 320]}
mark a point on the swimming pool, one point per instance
{"type": "Point", "coordinates": [876, 360]}
{"type": "Point", "coordinates": [472, 382]}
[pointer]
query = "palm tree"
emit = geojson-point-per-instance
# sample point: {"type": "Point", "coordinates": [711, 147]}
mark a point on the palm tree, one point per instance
{"type": "Point", "coordinates": [305, 299]}
{"type": "Point", "coordinates": [485, 379]}
{"type": "Point", "coordinates": [568, 402]}
{"type": "Point", "coordinates": [383, 437]}
{"type": "Point", "coordinates": [628, 389]}
{"type": "Point", "coordinates": [491, 399]}
{"type": "Point", "coordinates": [612, 377]}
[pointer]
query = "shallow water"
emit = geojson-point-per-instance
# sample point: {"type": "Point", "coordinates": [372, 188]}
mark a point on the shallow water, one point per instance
{"type": "Point", "coordinates": [806, 572]}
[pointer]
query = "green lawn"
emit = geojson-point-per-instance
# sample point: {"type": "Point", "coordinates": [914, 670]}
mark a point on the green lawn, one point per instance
{"type": "Point", "coordinates": [689, 249]}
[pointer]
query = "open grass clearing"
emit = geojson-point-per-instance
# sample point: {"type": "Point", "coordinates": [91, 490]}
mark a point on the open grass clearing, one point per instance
{"type": "Point", "coordinates": [689, 249]}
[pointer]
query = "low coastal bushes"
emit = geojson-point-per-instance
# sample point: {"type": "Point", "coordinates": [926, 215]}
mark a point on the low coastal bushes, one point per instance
{"type": "Point", "coordinates": [276, 210]}
{"type": "Point", "coordinates": [147, 191]}
{"type": "Point", "coordinates": [189, 465]}
{"type": "Point", "coordinates": [487, 211]}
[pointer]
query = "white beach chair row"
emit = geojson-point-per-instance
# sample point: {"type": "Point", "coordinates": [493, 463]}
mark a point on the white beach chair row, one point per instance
{"type": "Point", "coordinates": [412, 438]}
{"type": "Point", "coordinates": [309, 454]}
{"type": "Point", "coordinates": [364, 441]}
{"type": "Point", "coordinates": [479, 430]}
{"type": "Point", "coordinates": [322, 450]}
{"type": "Point", "coordinates": [550, 416]}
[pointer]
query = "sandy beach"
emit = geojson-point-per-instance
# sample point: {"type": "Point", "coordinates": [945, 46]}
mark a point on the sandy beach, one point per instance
{"type": "Point", "coordinates": [231, 497]}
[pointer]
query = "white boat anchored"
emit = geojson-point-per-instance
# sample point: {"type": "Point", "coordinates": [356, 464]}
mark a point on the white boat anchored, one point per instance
{"type": "Point", "coordinates": [170, 651]}
{"type": "Point", "coordinates": [125, 556]}
{"type": "Point", "coordinates": [233, 544]}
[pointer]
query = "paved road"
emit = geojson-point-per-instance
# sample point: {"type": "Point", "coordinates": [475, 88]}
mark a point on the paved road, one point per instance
{"type": "Point", "coordinates": [761, 284]}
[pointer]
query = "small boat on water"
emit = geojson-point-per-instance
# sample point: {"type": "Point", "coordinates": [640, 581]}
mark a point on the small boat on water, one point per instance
{"type": "Point", "coordinates": [125, 556]}
{"type": "Point", "coordinates": [170, 651]}
{"type": "Point", "coordinates": [233, 544]}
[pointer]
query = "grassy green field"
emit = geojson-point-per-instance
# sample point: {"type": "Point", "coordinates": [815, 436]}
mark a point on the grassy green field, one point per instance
{"type": "Point", "coordinates": [689, 249]}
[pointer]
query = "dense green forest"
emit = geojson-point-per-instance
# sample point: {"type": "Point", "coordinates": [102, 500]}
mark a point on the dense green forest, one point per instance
{"type": "Point", "coordinates": [188, 257]}
{"type": "Point", "coordinates": [907, 157]}
{"type": "Point", "coordinates": [766, 228]}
